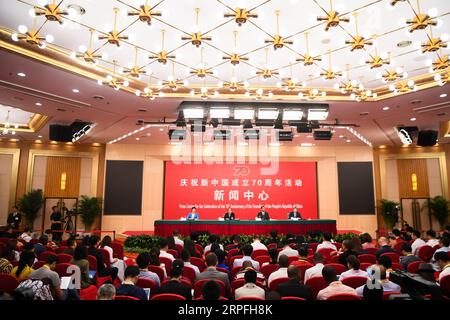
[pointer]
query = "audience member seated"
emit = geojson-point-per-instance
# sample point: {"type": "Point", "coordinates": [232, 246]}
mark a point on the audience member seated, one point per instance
{"type": "Point", "coordinates": [407, 257]}
{"type": "Point", "coordinates": [71, 245]}
{"type": "Point", "coordinates": [386, 262]}
{"type": "Point", "coordinates": [213, 239]}
{"type": "Point", "coordinates": [80, 259]}
{"type": "Point", "coordinates": [26, 235]}
{"type": "Point", "coordinates": [273, 254]}
{"type": "Point", "coordinates": [247, 251]}
{"type": "Point", "coordinates": [302, 256]}
{"type": "Point", "coordinates": [353, 269]}
{"type": "Point", "coordinates": [174, 285]}
{"type": "Point", "coordinates": [106, 292]}
{"type": "Point", "coordinates": [293, 287]}
{"type": "Point", "coordinates": [247, 265]}
{"type": "Point", "coordinates": [154, 260]}
{"type": "Point", "coordinates": [189, 245]}
{"type": "Point", "coordinates": [221, 259]}
{"type": "Point", "coordinates": [115, 262]}
{"type": "Point", "coordinates": [236, 240]}
{"type": "Point", "coordinates": [443, 261]}
{"type": "Point", "coordinates": [417, 242]}
{"type": "Point", "coordinates": [41, 245]}
{"type": "Point", "coordinates": [24, 268]}
{"type": "Point", "coordinates": [283, 261]}
{"type": "Point", "coordinates": [102, 270]}
{"type": "Point", "coordinates": [431, 238]}
{"type": "Point", "coordinates": [273, 295]}
{"type": "Point", "coordinates": [257, 244]}
{"type": "Point", "coordinates": [211, 273]}
{"type": "Point", "coordinates": [334, 285]}
{"type": "Point", "coordinates": [211, 291]}
{"type": "Point", "coordinates": [378, 275]}
{"type": "Point", "coordinates": [176, 238]}
{"type": "Point", "coordinates": [346, 251]}
{"type": "Point", "coordinates": [143, 261]}
{"type": "Point", "coordinates": [5, 265]}
{"type": "Point", "coordinates": [273, 237]}
{"type": "Point", "coordinates": [374, 293]}
{"type": "Point", "coordinates": [129, 287]}
{"type": "Point", "coordinates": [366, 240]}
{"type": "Point", "coordinates": [47, 271]}
{"type": "Point", "coordinates": [326, 243]}
{"type": "Point", "coordinates": [384, 247]}
{"type": "Point", "coordinates": [163, 247]}
{"type": "Point", "coordinates": [185, 256]}
{"type": "Point", "coordinates": [250, 289]}
{"type": "Point", "coordinates": [315, 271]}
{"type": "Point", "coordinates": [287, 250]}
{"type": "Point", "coordinates": [9, 251]}
{"type": "Point", "coordinates": [444, 246]}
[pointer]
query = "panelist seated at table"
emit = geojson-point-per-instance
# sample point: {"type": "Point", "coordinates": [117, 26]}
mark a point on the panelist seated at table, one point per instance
{"type": "Point", "coordinates": [262, 214]}
{"type": "Point", "coordinates": [229, 215]}
{"type": "Point", "coordinates": [193, 215]}
{"type": "Point", "coordinates": [294, 214]}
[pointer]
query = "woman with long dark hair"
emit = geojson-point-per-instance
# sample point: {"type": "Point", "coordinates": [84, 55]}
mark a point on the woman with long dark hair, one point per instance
{"type": "Point", "coordinates": [115, 262]}
{"type": "Point", "coordinates": [24, 269]}
{"type": "Point", "coordinates": [80, 259]}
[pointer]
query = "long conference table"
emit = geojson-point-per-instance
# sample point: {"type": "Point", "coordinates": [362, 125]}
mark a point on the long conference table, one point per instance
{"type": "Point", "coordinates": [165, 228]}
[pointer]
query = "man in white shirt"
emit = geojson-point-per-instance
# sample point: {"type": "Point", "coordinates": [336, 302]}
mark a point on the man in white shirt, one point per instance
{"type": "Point", "coordinates": [388, 286]}
{"type": "Point", "coordinates": [418, 242]}
{"type": "Point", "coordinates": [26, 235]}
{"type": "Point", "coordinates": [213, 239]}
{"type": "Point", "coordinates": [185, 256]}
{"type": "Point", "coordinates": [444, 264]}
{"type": "Point", "coordinates": [444, 243]}
{"type": "Point", "coordinates": [250, 289]}
{"type": "Point", "coordinates": [315, 271]}
{"type": "Point", "coordinates": [288, 251]}
{"type": "Point", "coordinates": [247, 265]}
{"type": "Point", "coordinates": [283, 261]}
{"type": "Point", "coordinates": [334, 286]}
{"type": "Point", "coordinates": [176, 238]}
{"type": "Point", "coordinates": [163, 247]}
{"type": "Point", "coordinates": [353, 269]}
{"type": "Point", "coordinates": [326, 243]}
{"type": "Point", "coordinates": [431, 238]}
{"type": "Point", "coordinates": [257, 244]}
{"type": "Point", "coordinates": [247, 250]}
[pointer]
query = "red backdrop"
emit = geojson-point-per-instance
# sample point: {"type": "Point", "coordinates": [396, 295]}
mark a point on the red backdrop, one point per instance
{"type": "Point", "coordinates": [213, 187]}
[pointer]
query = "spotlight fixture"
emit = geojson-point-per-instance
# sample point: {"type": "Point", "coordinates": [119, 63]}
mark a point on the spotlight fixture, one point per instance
{"type": "Point", "coordinates": [357, 42]}
{"type": "Point", "coordinates": [196, 37]}
{"type": "Point", "coordinates": [240, 15]}
{"type": "Point", "coordinates": [420, 20]}
{"type": "Point", "coordinates": [145, 13]}
{"type": "Point", "coordinates": [332, 18]}
{"type": "Point", "coordinates": [266, 73]}
{"type": "Point", "coordinates": [235, 58]}
{"type": "Point", "coordinates": [277, 40]}
{"type": "Point", "coordinates": [181, 121]}
{"type": "Point", "coordinates": [330, 74]}
{"type": "Point", "coordinates": [278, 124]}
{"type": "Point", "coordinates": [89, 55]}
{"type": "Point", "coordinates": [307, 59]}
{"type": "Point", "coordinates": [114, 37]}
{"type": "Point", "coordinates": [162, 56]}
{"type": "Point", "coordinates": [247, 124]}
{"type": "Point", "coordinates": [51, 11]}
{"type": "Point", "coordinates": [201, 72]}
{"type": "Point", "coordinates": [112, 80]}
{"type": "Point", "coordinates": [135, 71]}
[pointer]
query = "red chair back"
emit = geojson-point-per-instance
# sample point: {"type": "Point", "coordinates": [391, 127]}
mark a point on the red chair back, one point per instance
{"type": "Point", "coordinates": [425, 253]}
{"type": "Point", "coordinates": [259, 252]}
{"type": "Point", "coordinates": [90, 293]}
{"type": "Point", "coordinates": [293, 298]}
{"type": "Point", "coordinates": [365, 265]}
{"type": "Point", "coordinates": [234, 272]}
{"type": "Point", "coordinates": [334, 259]}
{"type": "Point", "coordinates": [313, 246]}
{"type": "Point", "coordinates": [292, 259]}
{"type": "Point", "coordinates": [370, 258]}
{"type": "Point", "coordinates": [49, 248]}
{"type": "Point", "coordinates": [44, 255]}
{"type": "Point", "coordinates": [271, 246]}
{"type": "Point", "coordinates": [393, 255]}
{"type": "Point", "coordinates": [222, 270]}
{"type": "Point", "coordinates": [325, 252]}
{"type": "Point", "coordinates": [168, 296]}
{"type": "Point", "coordinates": [398, 246]}
{"type": "Point", "coordinates": [106, 257]}
{"type": "Point", "coordinates": [37, 265]}
{"type": "Point", "coordinates": [275, 282]}
{"type": "Point", "coordinates": [117, 250]}
{"type": "Point", "coordinates": [179, 247]}
{"type": "Point", "coordinates": [445, 285]}
{"type": "Point", "coordinates": [233, 252]}
{"type": "Point", "coordinates": [8, 283]}
{"type": "Point", "coordinates": [371, 250]}
{"type": "Point", "coordinates": [316, 284]}
{"type": "Point", "coordinates": [231, 260]}
{"type": "Point", "coordinates": [64, 258]}
{"type": "Point", "coordinates": [184, 281]}
{"type": "Point", "coordinates": [147, 283]}
{"type": "Point", "coordinates": [198, 262]}
{"type": "Point", "coordinates": [198, 286]}
{"type": "Point", "coordinates": [338, 267]}
{"type": "Point", "coordinates": [92, 262]}
{"type": "Point", "coordinates": [167, 262]}
{"type": "Point", "coordinates": [249, 298]}
{"type": "Point", "coordinates": [60, 249]}
{"type": "Point", "coordinates": [125, 298]}
{"type": "Point", "coordinates": [102, 280]}
{"type": "Point", "coordinates": [338, 245]}
{"type": "Point", "coordinates": [396, 266]}
{"type": "Point", "coordinates": [158, 270]}
{"type": "Point", "coordinates": [344, 296]}
{"type": "Point", "coordinates": [199, 248]}
{"type": "Point", "coordinates": [61, 269]}
{"type": "Point", "coordinates": [173, 252]}
{"type": "Point", "coordinates": [435, 248]}
{"type": "Point", "coordinates": [189, 273]}
{"type": "Point", "coordinates": [413, 266]}
{"type": "Point", "coordinates": [302, 269]}
{"type": "Point", "coordinates": [267, 269]}
{"type": "Point", "coordinates": [355, 282]}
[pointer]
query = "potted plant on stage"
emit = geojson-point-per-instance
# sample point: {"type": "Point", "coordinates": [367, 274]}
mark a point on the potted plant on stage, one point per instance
{"type": "Point", "coordinates": [30, 204]}
{"type": "Point", "coordinates": [440, 209]}
{"type": "Point", "coordinates": [89, 208]}
{"type": "Point", "coordinates": [389, 209]}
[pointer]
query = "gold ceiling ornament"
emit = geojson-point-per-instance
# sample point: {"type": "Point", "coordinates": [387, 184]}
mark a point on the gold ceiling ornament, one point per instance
{"type": "Point", "coordinates": [235, 58]}
{"type": "Point", "coordinates": [233, 84]}
{"type": "Point", "coordinates": [114, 36]}
{"type": "Point", "coordinates": [357, 42]}
{"type": "Point", "coordinates": [148, 91]}
{"type": "Point", "coordinates": [196, 37]}
{"type": "Point", "coordinates": [266, 73]}
{"type": "Point", "coordinates": [360, 93]}
{"type": "Point", "coordinates": [145, 13]}
{"type": "Point", "coordinates": [306, 58]}
{"type": "Point", "coordinates": [162, 56]}
{"type": "Point", "coordinates": [89, 55]}
{"type": "Point", "coordinates": [288, 84]}
{"type": "Point", "coordinates": [240, 15]}
{"type": "Point", "coordinates": [332, 18]}
{"type": "Point", "coordinates": [135, 71]}
{"type": "Point", "coordinates": [172, 82]}
{"type": "Point", "coordinates": [433, 44]}
{"type": "Point", "coordinates": [442, 78]}
{"type": "Point", "coordinates": [420, 20]}
{"type": "Point", "coordinates": [377, 61]}
{"type": "Point", "coordinates": [394, 2]}
{"type": "Point", "coordinates": [203, 93]}
{"type": "Point", "coordinates": [51, 11]}
{"type": "Point", "coordinates": [442, 62]}
{"type": "Point", "coordinates": [112, 81]}
{"type": "Point", "coordinates": [312, 93]}
{"type": "Point", "coordinates": [202, 71]}
{"type": "Point", "coordinates": [348, 85]}
{"type": "Point", "coordinates": [403, 87]}
{"type": "Point", "coordinates": [277, 40]}
{"type": "Point", "coordinates": [32, 36]}
{"type": "Point", "coordinates": [258, 94]}
{"type": "Point", "coordinates": [330, 74]}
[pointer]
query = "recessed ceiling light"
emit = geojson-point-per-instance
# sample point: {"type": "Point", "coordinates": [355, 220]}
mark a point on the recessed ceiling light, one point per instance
{"type": "Point", "coordinates": [443, 95]}
{"type": "Point", "coordinates": [413, 119]}
{"type": "Point", "coordinates": [305, 144]}
{"type": "Point", "coordinates": [137, 139]}
{"type": "Point", "coordinates": [39, 136]}
{"type": "Point", "coordinates": [21, 74]}
{"type": "Point", "coordinates": [75, 90]}
{"type": "Point", "coordinates": [348, 140]}
{"type": "Point", "coordinates": [38, 104]}
{"type": "Point", "coordinates": [149, 134]}
{"type": "Point", "coordinates": [385, 108]}
{"type": "Point", "coordinates": [341, 136]}
{"type": "Point", "coordinates": [161, 129]}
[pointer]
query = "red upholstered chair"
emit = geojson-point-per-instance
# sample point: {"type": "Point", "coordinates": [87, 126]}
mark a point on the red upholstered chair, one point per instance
{"type": "Point", "coordinates": [198, 286]}
{"type": "Point", "coordinates": [338, 267]}
{"type": "Point", "coordinates": [325, 252]}
{"type": "Point", "coordinates": [268, 269]}
{"type": "Point", "coordinates": [64, 257]}
{"type": "Point", "coordinates": [316, 284]}
{"type": "Point", "coordinates": [394, 256]}
{"type": "Point", "coordinates": [92, 263]}
{"type": "Point", "coordinates": [365, 265]}
{"type": "Point", "coordinates": [179, 247]}
{"type": "Point", "coordinates": [49, 248]}
{"type": "Point", "coordinates": [271, 246]}
{"type": "Point", "coordinates": [414, 266]}
{"type": "Point", "coordinates": [293, 298]}
{"type": "Point", "coordinates": [117, 250]}
{"type": "Point", "coordinates": [234, 272]}
{"type": "Point", "coordinates": [61, 269]}
{"type": "Point", "coordinates": [125, 298]}
{"type": "Point", "coordinates": [44, 255]}
{"type": "Point", "coordinates": [302, 269]}
{"type": "Point", "coordinates": [398, 246]}
{"type": "Point", "coordinates": [8, 283]}
{"type": "Point", "coordinates": [444, 283]}
{"type": "Point", "coordinates": [334, 259]}
{"type": "Point", "coordinates": [168, 296]}
{"type": "Point", "coordinates": [355, 282]}
{"type": "Point", "coordinates": [425, 253]}
{"type": "Point", "coordinates": [259, 252]}
{"type": "Point", "coordinates": [173, 252]}
{"type": "Point", "coordinates": [292, 259]}
{"type": "Point", "coordinates": [90, 293]}
{"type": "Point", "coordinates": [338, 245]}
{"type": "Point", "coordinates": [4, 240]}
{"type": "Point", "coordinates": [344, 296]}
{"type": "Point", "coordinates": [167, 262]}
{"type": "Point", "coordinates": [222, 270]}
{"type": "Point", "coordinates": [60, 249]}
{"type": "Point", "coordinates": [435, 248]}
{"type": "Point", "coordinates": [106, 257]}
{"type": "Point", "coordinates": [158, 270]}
{"type": "Point", "coordinates": [147, 283]}
{"type": "Point", "coordinates": [231, 259]}
{"type": "Point", "coordinates": [183, 280]}
{"type": "Point", "coordinates": [249, 298]}
{"type": "Point", "coordinates": [370, 258]}
{"type": "Point", "coordinates": [36, 266]}
{"type": "Point", "coordinates": [313, 246]}
{"type": "Point", "coordinates": [274, 283]}
{"type": "Point", "coordinates": [371, 250]}
{"type": "Point", "coordinates": [102, 280]}
{"type": "Point", "coordinates": [396, 266]}
{"type": "Point", "coordinates": [199, 248]}
{"type": "Point", "coordinates": [198, 262]}
{"type": "Point", "coordinates": [232, 252]}
{"type": "Point", "coordinates": [189, 273]}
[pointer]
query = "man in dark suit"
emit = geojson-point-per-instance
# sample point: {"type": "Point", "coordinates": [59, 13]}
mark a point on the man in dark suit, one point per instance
{"type": "Point", "coordinates": [293, 287]}
{"type": "Point", "coordinates": [263, 214]}
{"type": "Point", "coordinates": [14, 218]}
{"type": "Point", "coordinates": [175, 286]}
{"type": "Point", "coordinates": [383, 242]}
{"type": "Point", "coordinates": [229, 215]}
{"type": "Point", "coordinates": [212, 273]}
{"type": "Point", "coordinates": [294, 214]}
{"type": "Point", "coordinates": [102, 270]}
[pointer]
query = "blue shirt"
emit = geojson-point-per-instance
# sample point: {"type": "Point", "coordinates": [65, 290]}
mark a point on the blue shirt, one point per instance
{"type": "Point", "coordinates": [192, 216]}
{"type": "Point", "coordinates": [130, 290]}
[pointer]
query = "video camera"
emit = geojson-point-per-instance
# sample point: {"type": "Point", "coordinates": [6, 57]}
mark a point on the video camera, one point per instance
{"type": "Point", "coordinates": [415, 285]}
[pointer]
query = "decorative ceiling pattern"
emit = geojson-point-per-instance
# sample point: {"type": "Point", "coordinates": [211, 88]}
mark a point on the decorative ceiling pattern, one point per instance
{"type": "Point", "coordinates": [361, 50]}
